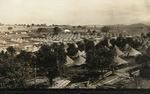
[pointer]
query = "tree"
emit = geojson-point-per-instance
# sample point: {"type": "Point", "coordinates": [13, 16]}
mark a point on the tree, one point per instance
{"type": "Point", "coordinates": [103, 60]}
{"type": "Point", "coordinates": [10, 28]}
{"type": "Point", "coordinates": [28, 25]}
{"type": "Point", "coordinates": [47, 62]}
{"type": "Point", "coordinates": [42, 30]}
{"type": "Point", "coordinates": [112, 64]}
{"type": "Point", "coordinates": [71, 50]}
{"type": "Point", "coordinates": [32, 24]}
{"type": "Point", "coordinates": [105, 29]}
{"type": "Point", "coordinates": [89, 44]}
{"type": "Point", "coordinates": [90, 59]}
{"type": "Point", "coordinates": [56, 30]}
{"type": "Point", "coordinates": [11, 51]}
{"type": "Point", "coordinates": [89, 31]}
{"type": "Point", "coordinates": [79, 26]}
{"type": "Point", "coordinates": [29, 57]}
{"type": "Point", "coordinates": [60, 56]}
{"type": "Point", "coordinates": [102, 43]}
{"type": "Point", "coordinates": [81, 45]}
{"type": "Point", "coordinates": [14, 72]}
{"type": "Point", "coordinates": [143, 59]}
{"type": "Point", "coordinates": [148, 34]}
{"type": "Point", "coordinates": [94, 31]}
{"type": "Point", "coordinates": [99, 59]}
{"type": "Point", "coordinates": [121, 42]}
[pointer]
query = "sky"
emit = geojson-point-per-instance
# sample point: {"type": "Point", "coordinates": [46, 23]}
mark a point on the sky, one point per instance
{"type": "Point", "coordinates": [74, 12]}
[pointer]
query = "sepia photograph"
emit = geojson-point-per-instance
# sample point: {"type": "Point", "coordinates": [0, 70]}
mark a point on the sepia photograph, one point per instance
{"type": "Point", "coordinates": [75, 44]}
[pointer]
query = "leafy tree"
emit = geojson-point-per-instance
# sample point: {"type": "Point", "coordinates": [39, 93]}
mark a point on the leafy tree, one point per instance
{"type": "Point", "coordinates": [14, 72]}
{"type": "Point", "coordinates": [94, 31]}
{"type": "Point", "coordinates": [11, 50]}
{"type": "Point", "coordinates": [105, 29]}
{"type": "Point", "coordinates": [121, 42]}
{"type": "Point", "coordinates": [56, 30]}
{"type": "Point", "coordinates": [51, 59]}
{"type": "Point", "coordinates": [102, 43]}
{"type": "Point", "coordinates": [143, 35]}
{"type": "Point", "coordinates": [99, 59]}
{"type": "Point", "coordinates": [89, 31]}
{"type": "Point", "coordinates": [90, 59]}
{"type": "Point", "coordinates": [10, 28]}
{"type": "Point", "coordinates": [148, 34]}
{"type": "Point", "coordinates": [42, 30]}
{"type": "Point", "coordinates": [142, 59]}
{"type": "Point", "coordinates": [79, 26]}
{"type": "Point", "coordinates": [104, 58]}
{"type": "Point", "coordinates": [60, 56]}
{"type": "Point", "coordinates": [32, 24]}
{"type": "Point", "coordinates": [46, 61]}
{"type": "Point", "coordinates": [81, 45]}
{"type": "Point", "coordinates": [28, 25]}
{"type": "Point", "coordinates": [71, 50]}
{"type": "Point", "coordinates": [29, 57]}
{"type": "Point", "coordinates": [89, 44]}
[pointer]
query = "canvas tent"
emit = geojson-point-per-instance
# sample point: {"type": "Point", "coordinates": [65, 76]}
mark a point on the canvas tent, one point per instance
{"type": "Point", "coordinates": [65, 47]}
{"type": "Point", "coordinates": [67, 31]}
{"type": "Point", "coordinates": [69, 61]}
{"type": "Point", "coordinates": [109, 44]}
{"type": "Point", "coordinates": [79, 53]}
{"type": "Point", "coordinates": [119, 61]}
{"type": "Point", "coordinates": [117, 51]}
{"type": "Point", "coordinates": [79, 61]}
{"type": "Point", "coordinates": [133, 52]}
{"type": "Point", "coordinates": [96, 42]}
{"type": "Point", "coordinates": [76, 45]}
{"type": "Point", "coordinates": [106, 47]}
{"type": "Point", "coordinates": [83, 54]}
{"type": "Point", "coordinates": [129, 51]}
{"type": "Point", "coordinates": [126, 47]}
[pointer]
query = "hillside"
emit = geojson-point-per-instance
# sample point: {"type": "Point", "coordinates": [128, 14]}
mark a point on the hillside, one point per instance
{"type": "Point", "coordinates": [132, 28]}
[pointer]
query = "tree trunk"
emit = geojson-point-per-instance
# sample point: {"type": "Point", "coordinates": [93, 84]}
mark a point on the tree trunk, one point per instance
{"type": "Point", "coordinates": [113, 70]}
{"type": "Point", "coordinates": [50, 78]}
{"type": "Point", "coordinates": [51, 81]}
{"type": "Point", "coordinates": [102, 74]}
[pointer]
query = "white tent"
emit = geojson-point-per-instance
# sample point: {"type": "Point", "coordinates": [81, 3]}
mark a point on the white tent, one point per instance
{"type": "Point", "coordinates": [129, 51]}
{"type": "Point", "coordinates": [118, 52]}
{"type": "Point", "coordinates": [67, 31]}
{"type": "Point", "coordinates": [69, 61]}
{"type": "Point", "coordinates": [79, 61]}
{"type": "Point", "coordinates": [109, 44]}
{"type": "Point", "coordinates": [119, 61]}
{"type": "Point", "coordinates": [126, 47]}
{"type": "Point", "coordinates": [133, 52]}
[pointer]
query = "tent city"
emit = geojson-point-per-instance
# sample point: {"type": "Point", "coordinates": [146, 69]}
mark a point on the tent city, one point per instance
{"type": "Point", "coordinates": [77, 52]}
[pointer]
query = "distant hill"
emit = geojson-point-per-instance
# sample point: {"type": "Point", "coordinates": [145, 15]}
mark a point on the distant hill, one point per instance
{"type": "Point", "coordinates": [138, 27]}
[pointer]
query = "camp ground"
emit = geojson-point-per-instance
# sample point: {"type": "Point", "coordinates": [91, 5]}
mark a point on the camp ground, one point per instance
{"type": "Point", "coordinates": [67, 56]}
